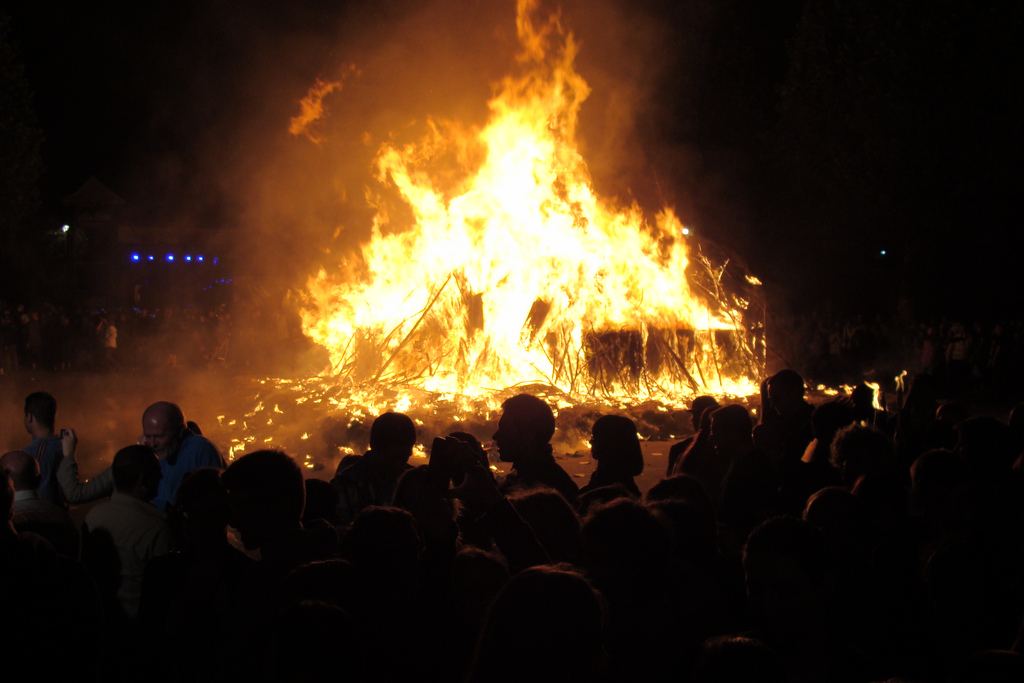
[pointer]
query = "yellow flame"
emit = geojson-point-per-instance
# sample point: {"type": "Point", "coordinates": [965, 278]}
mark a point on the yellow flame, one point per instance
{"type": "Point", "coordinates": [516, 272]}
{"type": "Point", "coordinates": [876, 395]}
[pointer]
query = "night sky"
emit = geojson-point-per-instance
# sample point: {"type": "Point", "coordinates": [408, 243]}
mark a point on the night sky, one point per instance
{"type": "Point", "coordinates": [805, 137]}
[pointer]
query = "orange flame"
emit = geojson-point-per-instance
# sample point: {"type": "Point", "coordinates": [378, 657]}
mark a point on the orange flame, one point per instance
{"type": "Point", "coordinates": [312, 106]}
{"type": "Point", "coordinates": [513, 271]}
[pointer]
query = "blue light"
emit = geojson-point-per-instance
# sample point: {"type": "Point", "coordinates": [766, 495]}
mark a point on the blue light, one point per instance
{"type": "Point", "coordinates": [215, 259]}
{"type": "Point", "coordinates": [199, 258]}
{"type": "Point", "coordinates": [188, 258]}
{"type": "Point", "coordinates": [135, 257]}
{"type": "Point", "coordinates": [883, 252]}
{"type": "Point", "coordinates": [170, 257]}
{"type": "Point", "coordinates": [150, 257]}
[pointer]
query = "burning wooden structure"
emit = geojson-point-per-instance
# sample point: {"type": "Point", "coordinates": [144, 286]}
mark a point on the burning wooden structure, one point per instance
{"type": "Point", "coordinates": [512, 271]}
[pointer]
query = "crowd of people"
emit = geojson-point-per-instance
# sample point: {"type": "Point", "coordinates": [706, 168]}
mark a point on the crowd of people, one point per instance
{"type": "Point", "coordinates": [52, 338]}
{"type": "Point", "coordinates": [835, 542]}
{"type": "Point", "coordinates": [982, 358]}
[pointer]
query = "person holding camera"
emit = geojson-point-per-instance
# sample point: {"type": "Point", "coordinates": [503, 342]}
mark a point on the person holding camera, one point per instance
{"type": "Point", "coordinates": [40, 416]}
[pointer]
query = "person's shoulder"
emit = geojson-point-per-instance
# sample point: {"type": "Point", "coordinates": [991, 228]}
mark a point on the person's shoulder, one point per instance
{"type": "Point", "coordinates": [100, 513]}
{"type": "Point", "coordinates": [200, 448]}
{"type": "Point", "coordinates": [125, 505]}
{"type": "Point", "coordinates": [350, 465]}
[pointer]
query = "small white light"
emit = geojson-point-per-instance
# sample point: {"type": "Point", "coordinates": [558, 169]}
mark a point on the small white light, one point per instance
{"type": "Point", "coordinates": [65, 228]}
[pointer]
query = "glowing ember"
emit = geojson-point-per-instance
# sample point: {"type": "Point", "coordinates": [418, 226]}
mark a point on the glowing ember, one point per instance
{"type": "Point", "coordinates": [512, 271]}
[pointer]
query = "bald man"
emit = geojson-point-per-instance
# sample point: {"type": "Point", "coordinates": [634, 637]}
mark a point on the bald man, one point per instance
{"type": "Point", "coordinates": [164, 430]}
{"type": "Point", "coordinates": [31, 512]}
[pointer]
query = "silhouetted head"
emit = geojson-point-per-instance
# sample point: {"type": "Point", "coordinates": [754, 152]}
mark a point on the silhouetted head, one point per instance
{"type": "Point", "coordinates": [525, 428]}
{"type": "Point", "coordinates": [385, 545]}
{"type": "Point", "coordinates": [829, 418]}
{"type": "Point", "coordinates": [22, 468]}
{"type": "Point", "coordinates": [163, 428]}
{"type": "Point", "coordinates": [863, 398]}
{"type": "Point", "coordinates": [40, 412]}
{"type": "Point", "coordinates": [417, 493]}
{"type": "Point", "coordinates": [692, 525]}
{"type": "Point", "coordinates": [732, 430]}
{"type": "Point", "coordinates": [858, 450]}
{"type": "Point", "coordinates": [553, 520]}
{"type": "Point", "coordinates": [267, 496]}
{"type": "Point", "coordinates": [786, 391]}
{"type": "Point", "coordinates": [699, 406]}
{"type": "Point", "coordinates": [842, 517]}
{"type": "Point", "coordinates": [545, 625]}
{"type": "Point", "coordinates": [392, 437]}
{"type": "Point", "coordinates": [615, 445]}
{"type": "Point", "coordinates": [678, 486]}
{"type": "Point", "coordinates": [952, 413]}
{"type": "Point", "coordinates": [725, 659]}
{"type": "Point", "coordinates": [321, 502]}
{"type": "Point", "coordinates": [203, 502]}
{"type": "Point", "coordinates": [625, 547]}
{"type": "Point", "coordinates": [136, 471]}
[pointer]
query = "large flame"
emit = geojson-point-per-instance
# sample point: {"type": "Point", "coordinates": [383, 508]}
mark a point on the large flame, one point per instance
{"type": "Point", "coordinates": [512, 270]}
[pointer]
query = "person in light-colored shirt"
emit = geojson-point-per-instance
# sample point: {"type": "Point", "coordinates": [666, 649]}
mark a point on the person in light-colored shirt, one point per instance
{"type": "Point", "coordinates": [121, 536]}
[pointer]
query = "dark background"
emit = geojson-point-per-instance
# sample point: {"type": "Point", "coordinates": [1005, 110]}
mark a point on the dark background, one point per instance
{"type": "Point", "coordinates": [807, 137]}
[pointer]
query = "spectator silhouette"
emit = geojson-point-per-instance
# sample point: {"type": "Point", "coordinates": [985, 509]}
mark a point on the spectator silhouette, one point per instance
{"type": "Point", "coordinates": [266, 495]}
{"type": "Point", "coordinates": [183, 592]}
{"type": "Point", "coordinates": [50, 615]}
{"type": "Point", "coordinates": [523, 439]}
{"type": "Point", "coordinates": [546, 625]}
{"type": "Point", "coordinates": [615, 446]}
{"type": "Point", "coordinates": [785, 428]}
{"type": "Point", "coordinates": [553, 521]}
{"type": "Point", "coordinates": [370, 479]}
{"type": "Point", "coordinates": [697, 408]}
{"type": "Point", "coordinates": [626, 554]}
{"type": "Point", "coordinates": [726, 659]}
{"type": "Point", "coordinates": [696, 455]}
{"type": "Point", "coordinates": [31, 512]}
{"type": "Point", "coordinates": [40, 416]}
{"type": "Point", "coordinates": [749, 488]}
{"type": "Point", "coordinates": [790, 576]}
{"type": "Point", "coordinates": [385, 547]}
{"type": "Point", "coordinates": [858, 451]}
{"type": "Point", "coordinates": [815, 470]}
{"type": "Point", "coordinates": [121, 536]}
